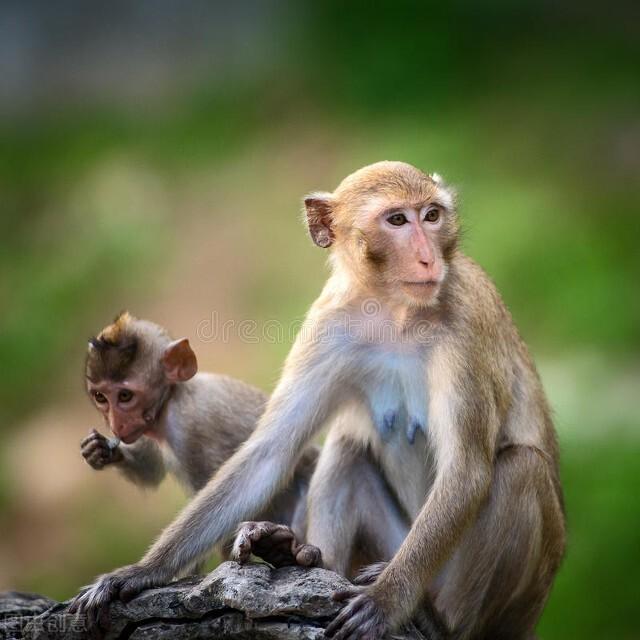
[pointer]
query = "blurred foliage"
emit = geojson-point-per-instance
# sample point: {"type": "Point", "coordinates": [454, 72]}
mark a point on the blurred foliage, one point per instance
{"type": "Point", "coordinates": [532, 109]}
{"type": "Point", "coordinates": [592, 596]}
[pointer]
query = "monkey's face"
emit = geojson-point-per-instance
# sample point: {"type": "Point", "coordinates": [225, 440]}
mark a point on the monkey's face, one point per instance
{"type": "Point", "coordinates": [396, 228]}
{"type": "Point", "coordinates": [130, 369]}
{"type": "Point", "coordinates": [128, 406]}
{"type": "Point", "coordinates": [400, 249]}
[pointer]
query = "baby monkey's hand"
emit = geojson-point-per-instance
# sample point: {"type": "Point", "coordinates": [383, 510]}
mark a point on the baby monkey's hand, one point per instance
{"type": "Point", "coordinates": [100, 451]}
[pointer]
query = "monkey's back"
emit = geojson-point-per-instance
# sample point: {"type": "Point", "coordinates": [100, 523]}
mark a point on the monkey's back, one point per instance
{"type": "Point", "coordinates": [497, 351]}
{"type": "Point", "coordinates": [221, 413]}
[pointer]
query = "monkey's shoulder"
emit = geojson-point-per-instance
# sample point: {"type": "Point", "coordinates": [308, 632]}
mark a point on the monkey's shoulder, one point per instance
{"type": "Point", "coordinates": [475, 310]}
{"type": "Point", "coordinates": [219, 385]}
{"type": "Point", "coordinates": [212, 403]}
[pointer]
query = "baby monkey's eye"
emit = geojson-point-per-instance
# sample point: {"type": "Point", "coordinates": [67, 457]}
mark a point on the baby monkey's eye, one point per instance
{"type": "Point", "coordinates": [124, 395]}
{"type": "Point", "coordinates": [397, 219]}
{"type": "Point", "coordinates": [432, 214]}
{"type": "Point", "coordinates": [100, 398]}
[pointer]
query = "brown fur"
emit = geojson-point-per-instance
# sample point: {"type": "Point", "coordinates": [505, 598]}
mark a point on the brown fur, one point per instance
{"type": "Point", "coordinates": [112, 352]}
{"type": "Point", "coordinates": [462, 501]}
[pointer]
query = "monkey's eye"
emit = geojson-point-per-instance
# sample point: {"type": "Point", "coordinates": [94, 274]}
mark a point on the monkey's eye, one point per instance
{"type": "Point", "coordinates": [397, 219]}
{"type": "Point", "coordinates": [432, 214]}
{"type": "Point", "coordinates": [100, 398]}
{"type": "Point", "coordinates": [124, 395]}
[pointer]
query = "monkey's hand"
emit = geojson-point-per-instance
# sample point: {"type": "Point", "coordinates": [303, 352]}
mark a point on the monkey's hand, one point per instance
{"type": "Point", "coordinates": [275, 544]}
{"type": "Point", "coordinates": [123, 584]}
{"type": "Point", "coordinates": [100, 451]}
{"type": "Point", "coordinates": [362, 618]}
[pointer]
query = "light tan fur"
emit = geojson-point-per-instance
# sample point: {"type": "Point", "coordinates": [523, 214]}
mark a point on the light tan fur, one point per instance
{"type": "Point", "coordinates": [447, 425]}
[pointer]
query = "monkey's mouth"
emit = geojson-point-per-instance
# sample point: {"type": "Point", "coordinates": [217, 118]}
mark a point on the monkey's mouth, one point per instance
{"type": "Point", "coordinates": [422, 283]}
{"type": "Point", "coordinates": [132, 436]}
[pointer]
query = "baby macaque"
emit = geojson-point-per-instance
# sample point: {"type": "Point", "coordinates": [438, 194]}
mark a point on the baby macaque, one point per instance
{"type": "Point", "coordinates": [167, 417]}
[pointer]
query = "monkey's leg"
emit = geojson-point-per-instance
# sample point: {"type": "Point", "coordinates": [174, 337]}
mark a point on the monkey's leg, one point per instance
{"type": "Point", "coordinates": [496, 583]}
{"type": "Point", "coordinates": [289, 506]}
{"type": "Point", "coordinates": [352, 516]}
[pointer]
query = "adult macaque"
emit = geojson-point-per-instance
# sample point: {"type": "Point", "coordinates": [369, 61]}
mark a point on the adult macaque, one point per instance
{"type": "Point", "coordinates": [441, 458]}
{"type": "Point", "coordinates": [168, 417]}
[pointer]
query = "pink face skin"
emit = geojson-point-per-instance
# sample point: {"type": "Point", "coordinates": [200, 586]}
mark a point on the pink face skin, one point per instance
{"type": "Point", "coordinates": [129, 406]}
{"type": "Point", "coordinates": [412, 236]}
{"type": "Point", "coordinates": [122, 405]}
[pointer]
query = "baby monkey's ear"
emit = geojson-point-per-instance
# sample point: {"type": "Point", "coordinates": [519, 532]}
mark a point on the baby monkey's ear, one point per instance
{"type": "Point", "coordinates": [318, 208]}
{"type": "Point", "coordinates": [179, 361]}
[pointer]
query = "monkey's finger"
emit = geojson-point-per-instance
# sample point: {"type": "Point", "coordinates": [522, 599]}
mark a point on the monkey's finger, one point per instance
{"type": "Point", "coordinates": [90, 447]}
{"type": "Point", "coordinates": [93, 448]}
{"type": "Point", "coordinates": [96, 459]}
{"type": "Point", "coordinates": [258, 530]}
{"type": "Point", "coordinates": [348, 630]}
{"type": "Point", "coordinates": [246, 528]}
{"type": "Point", "coordinates": [337, 623]}
{"type": "Point", "coordinates": [307, 555]}
{"type": "Point", "coordinates": [241, 546]}
{"type": "Point", "coordinates": [99, 616]}
{"type": "Point", "coordinates": [93, 435]}
{"type": "Point", "coordinates": [349, 620]}
{"type": "Point", "coordinates": [281, 535]}
{"type": "Point", "coordinates": [345, 594]}
{"type": "Point", "coordinates": [76, 605]}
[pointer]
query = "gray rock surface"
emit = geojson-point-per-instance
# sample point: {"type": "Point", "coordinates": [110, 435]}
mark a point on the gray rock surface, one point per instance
{"type": "Point", "coordinates": [234, 601]}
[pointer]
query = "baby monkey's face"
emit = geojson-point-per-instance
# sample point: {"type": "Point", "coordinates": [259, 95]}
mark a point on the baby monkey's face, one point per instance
{"type": "Point", "coordinates": [128, 406]}
{"type": "Point", "coordinates": [131, 368]}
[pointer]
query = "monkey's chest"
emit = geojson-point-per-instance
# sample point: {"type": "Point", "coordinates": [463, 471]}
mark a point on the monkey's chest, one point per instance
{"type": "Point", "coordinates": [396, 392]}
{"type": "Point", "coordinates": [395, 388]}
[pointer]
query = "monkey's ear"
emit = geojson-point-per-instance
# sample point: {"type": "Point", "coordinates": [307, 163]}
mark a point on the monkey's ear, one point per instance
{"type": "Point", "coordinates": [446, 192]}
{"type": "Point", "coordinates": [319, 207]}
{"type": "Point", "coordinates": [179, 361]}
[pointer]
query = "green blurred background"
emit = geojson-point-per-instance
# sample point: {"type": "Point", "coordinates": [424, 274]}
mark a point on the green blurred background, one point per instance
{"type": "Point", "coordinates": [153, 156]}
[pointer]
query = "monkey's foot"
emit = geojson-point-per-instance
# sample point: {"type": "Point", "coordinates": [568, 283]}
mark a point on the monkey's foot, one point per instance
{"type": "Point", "coordinates": [275, 544]}
{"type": "Point", "coordinates": [124, 584]}
{"type": "Point", "coordinates": [362, 618]}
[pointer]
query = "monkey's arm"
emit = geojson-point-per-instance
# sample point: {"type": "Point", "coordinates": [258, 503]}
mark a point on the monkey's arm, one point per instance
{"type": "Point", "coordinates": [242, 487]}
{"type": "Point", "coordinates": [141, 462]}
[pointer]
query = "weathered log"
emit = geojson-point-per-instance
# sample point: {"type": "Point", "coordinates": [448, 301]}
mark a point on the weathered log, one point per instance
{"type": "Point", "coordinates": [235, 602]}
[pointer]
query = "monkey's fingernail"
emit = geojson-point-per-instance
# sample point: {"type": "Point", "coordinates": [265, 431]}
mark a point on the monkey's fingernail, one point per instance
{"type": "Point", "coordinates": [113, 443]}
